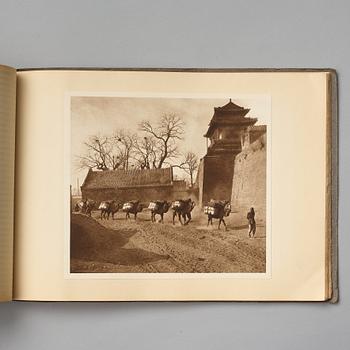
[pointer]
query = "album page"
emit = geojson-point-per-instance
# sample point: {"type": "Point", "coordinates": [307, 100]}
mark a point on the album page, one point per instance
{"type": "Point", "coordinates": [164, 185]}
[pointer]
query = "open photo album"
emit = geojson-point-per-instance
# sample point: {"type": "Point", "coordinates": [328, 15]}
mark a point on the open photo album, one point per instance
{"type": "Point", "coordinates": [168, 184]}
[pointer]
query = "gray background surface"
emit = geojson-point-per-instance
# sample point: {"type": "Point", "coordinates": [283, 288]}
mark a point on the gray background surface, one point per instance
{"type": "Point", "coordinates": [184, 34]}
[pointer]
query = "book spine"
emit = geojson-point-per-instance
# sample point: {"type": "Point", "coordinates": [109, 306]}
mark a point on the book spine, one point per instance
{"type": "Point", "coordinates": [332, 290]}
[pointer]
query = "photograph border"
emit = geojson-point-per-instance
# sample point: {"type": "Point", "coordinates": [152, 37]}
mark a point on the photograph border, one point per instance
{"type": "Point", "coordinates": [161, 275]}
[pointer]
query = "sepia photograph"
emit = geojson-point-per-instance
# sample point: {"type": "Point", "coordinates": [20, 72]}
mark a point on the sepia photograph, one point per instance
{"type": "Point", "coordinates": [168, 184]}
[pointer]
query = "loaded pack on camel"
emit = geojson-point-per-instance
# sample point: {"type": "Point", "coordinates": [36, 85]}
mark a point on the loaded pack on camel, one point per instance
{"type": "Point", "coordinates": [109, 207]}
{"type": "Point", "coordinates": [217, 209]}
{"type": "Point", "coordinates": [160, 208]}
{"type": "Point", "coordinates": [183, 208]}
{"type": "Point", "coordinates": [132, 207]}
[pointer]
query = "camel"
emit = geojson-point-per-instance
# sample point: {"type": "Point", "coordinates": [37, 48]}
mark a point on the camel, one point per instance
{"type": "Point", "coordinates": [109, 207]}
{"type": "Point", "coordinates": [183, 208]}
{"type": "Point", "coordinates": [217, 210]}
{"type": "Point", "coordinates": [132, 207]}
{"type": "Point", "coordinates": [85, 206]}
{"type": "Point", "coordinates": [159, 208]}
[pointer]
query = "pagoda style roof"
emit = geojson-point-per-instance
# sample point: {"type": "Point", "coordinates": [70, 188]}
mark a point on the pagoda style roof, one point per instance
{"type": "Point", "coordinates": [230, 106]}
{"type": "Point", "coordinates": [230, 114]}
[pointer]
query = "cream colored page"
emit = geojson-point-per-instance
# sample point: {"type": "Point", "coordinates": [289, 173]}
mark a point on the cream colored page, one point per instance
{"type": "Point", "coordinates": [297, 178]}
{"type": "Point", "coordinates": [7, 162]}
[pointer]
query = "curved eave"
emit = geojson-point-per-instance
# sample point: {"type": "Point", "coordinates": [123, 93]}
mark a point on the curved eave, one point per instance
{"type": "Point", "coordinates": [239, 123]}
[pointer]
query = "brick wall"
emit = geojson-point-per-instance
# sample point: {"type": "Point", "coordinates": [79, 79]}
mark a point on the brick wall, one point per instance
{"type": "Point", "coordinates": [143, 194]}
{"type": "Point", "coordinates": [249, 180]}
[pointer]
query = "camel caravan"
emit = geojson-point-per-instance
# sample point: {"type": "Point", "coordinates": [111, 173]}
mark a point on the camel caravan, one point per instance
{"type": "Point", "coordinates": [181, 209]}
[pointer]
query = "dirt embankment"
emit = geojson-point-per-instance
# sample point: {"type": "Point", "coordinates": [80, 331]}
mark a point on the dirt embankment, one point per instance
{"type": "Point", "coordinates": [93, 242]}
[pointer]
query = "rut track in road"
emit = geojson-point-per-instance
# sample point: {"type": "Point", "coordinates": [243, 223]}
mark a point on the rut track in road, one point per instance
{"type": "Point", "coordinates": [190, 253]}
{"type": "Point", "coordinates": [165, 248]}
{"type": "Point", "coordinates": [243, 252]}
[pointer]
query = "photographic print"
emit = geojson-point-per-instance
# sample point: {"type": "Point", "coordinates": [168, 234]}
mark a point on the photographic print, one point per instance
{"type": "Point", "coordinates": [168, 184]}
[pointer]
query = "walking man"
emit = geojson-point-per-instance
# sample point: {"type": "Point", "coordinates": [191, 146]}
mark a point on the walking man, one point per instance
{"type": "Point", "coordinates": [251, 223]}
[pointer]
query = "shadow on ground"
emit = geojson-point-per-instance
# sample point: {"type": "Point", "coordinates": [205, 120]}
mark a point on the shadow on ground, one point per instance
{"type": "Point", "coordinates": [90, 241]}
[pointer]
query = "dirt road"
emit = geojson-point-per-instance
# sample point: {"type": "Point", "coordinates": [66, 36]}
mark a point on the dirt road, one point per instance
{"type": "Point", "coordinates": [142, 246]}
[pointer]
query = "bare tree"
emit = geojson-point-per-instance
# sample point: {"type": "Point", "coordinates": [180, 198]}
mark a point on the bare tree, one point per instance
{"type": "Point", "coordinates": [145, 153]}
{"type": "Point", "coordinates": [108, 152]}
{"type": "Point", "coordinates": [123, 149]}
{"type": "Point", "coordinates": [166, 133]}
{"type": "Point", "coordinates": [124, 143]}
{"type": "Point", "coordinates": [189, 164]}
{"type": "Point", "coordinates": [98, 154]}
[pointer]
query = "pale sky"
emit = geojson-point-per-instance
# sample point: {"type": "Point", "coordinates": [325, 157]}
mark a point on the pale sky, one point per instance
{"type": "Point", "coordinates": [102, 115]}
